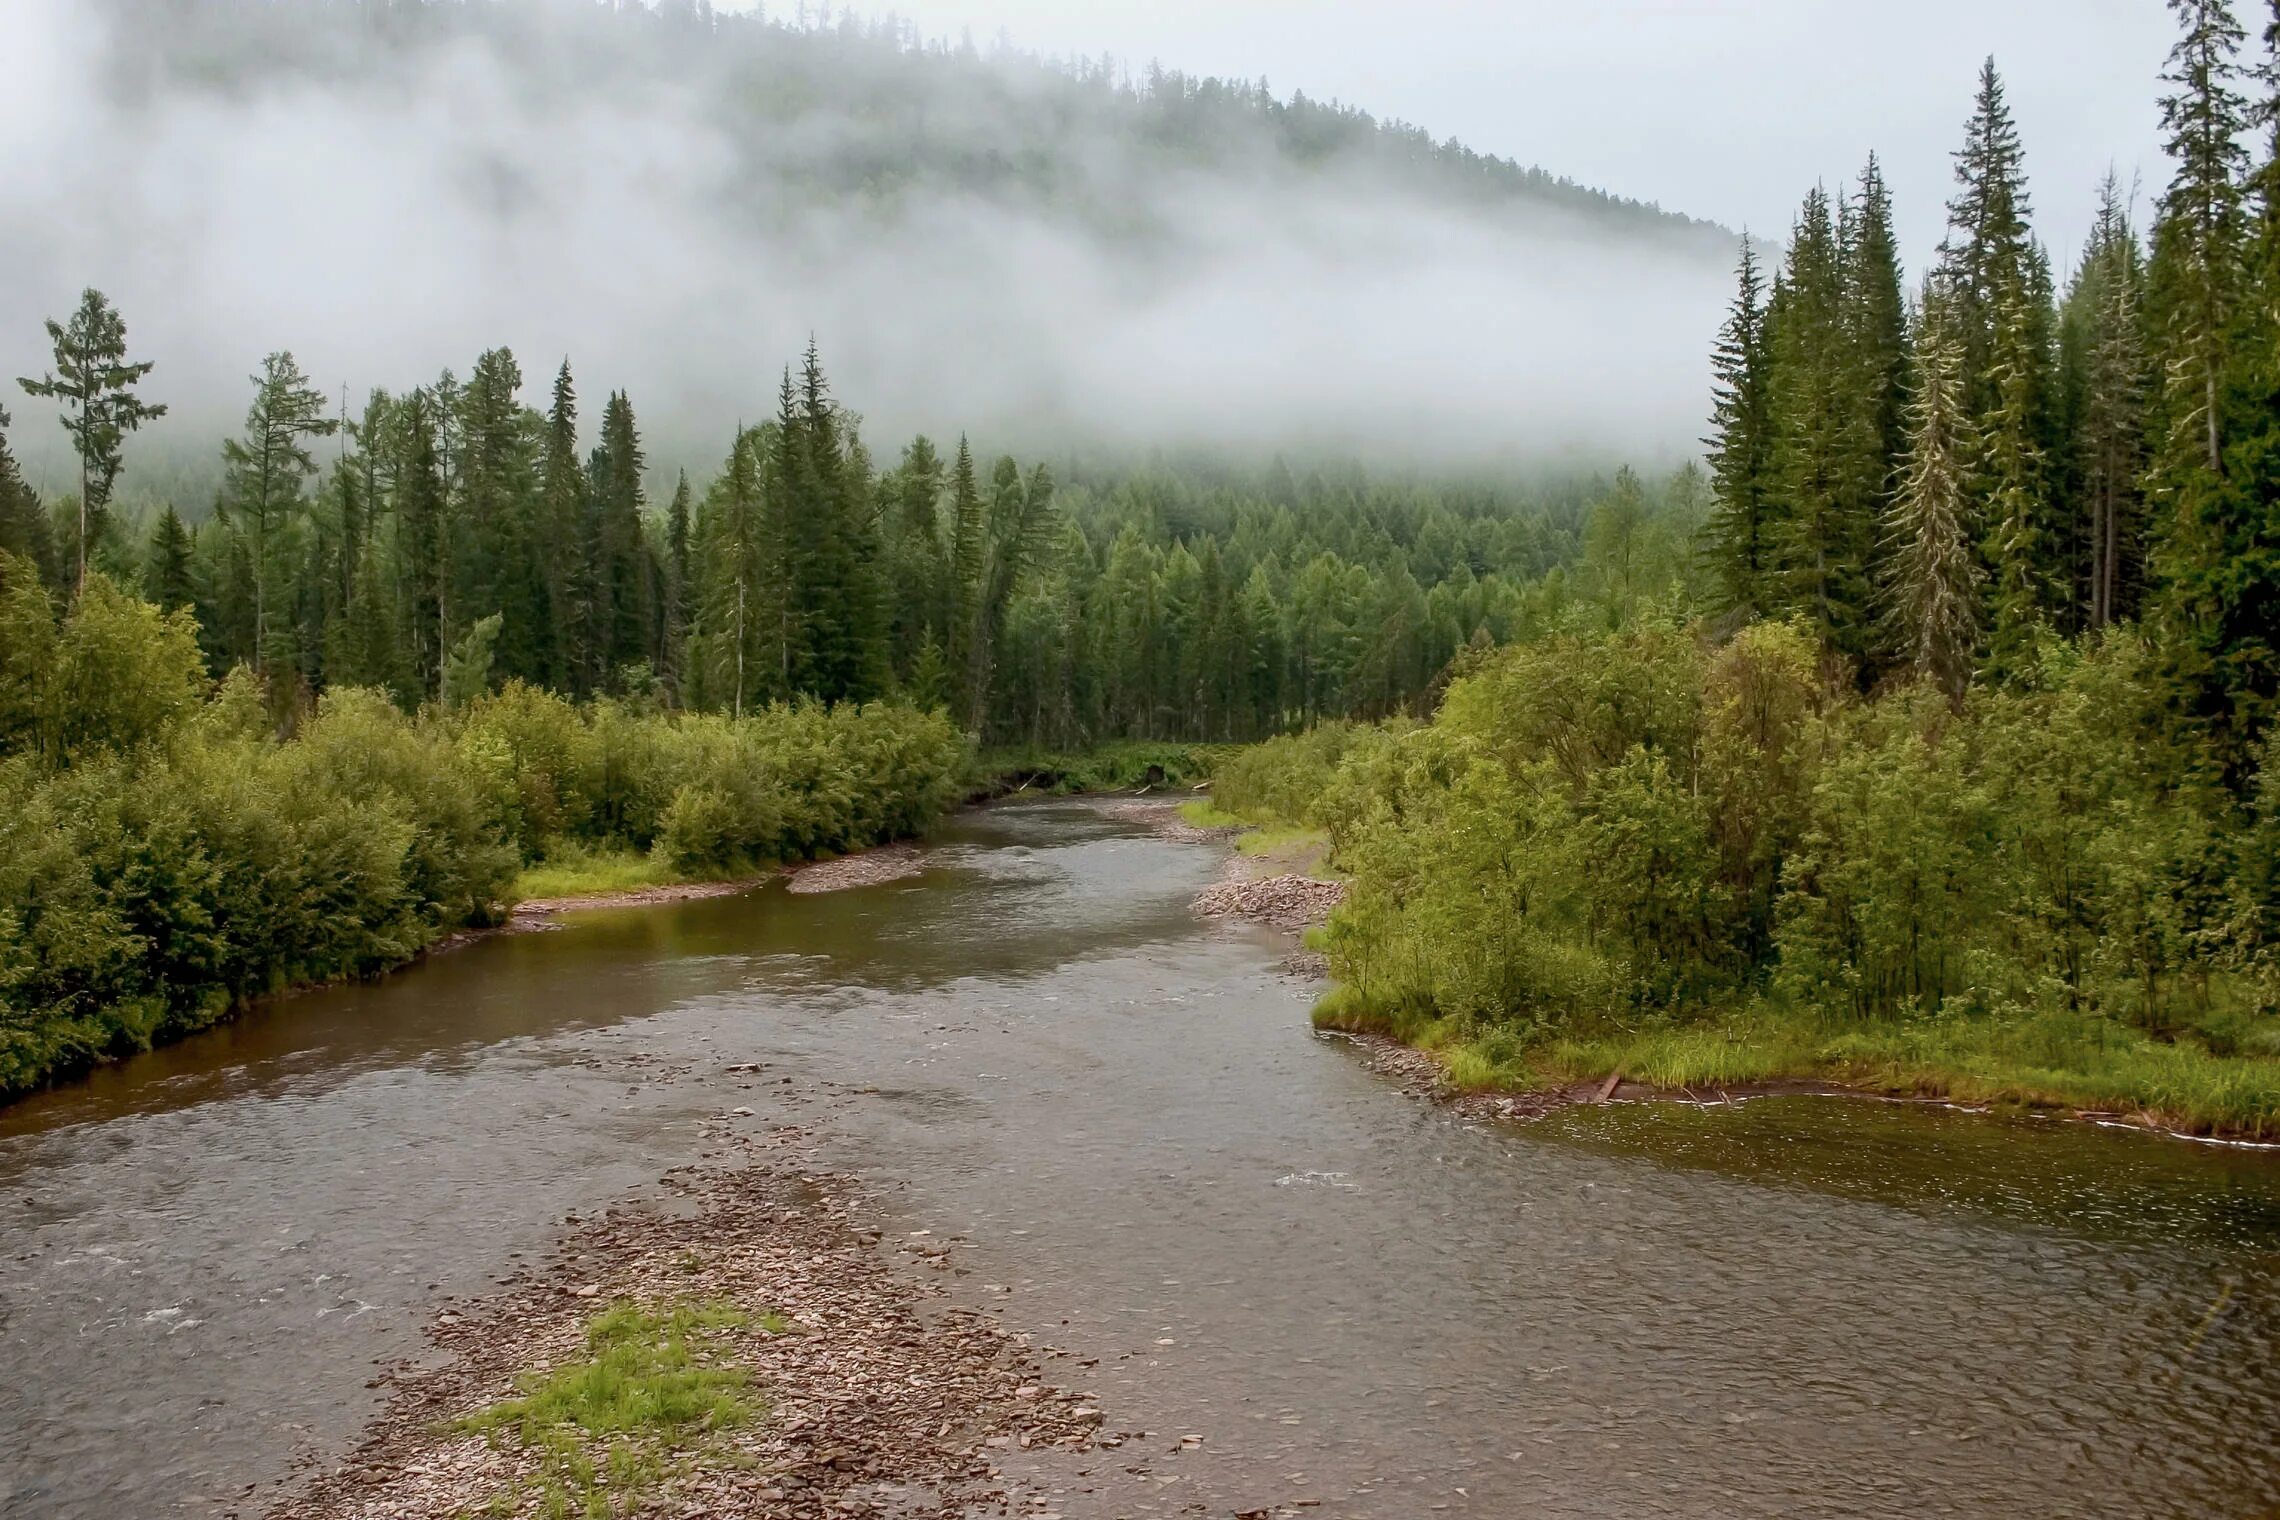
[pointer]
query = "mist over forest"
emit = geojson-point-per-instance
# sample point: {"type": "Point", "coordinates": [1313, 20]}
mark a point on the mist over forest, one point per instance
{"type": "Point", "coordinates": [1043, 252]}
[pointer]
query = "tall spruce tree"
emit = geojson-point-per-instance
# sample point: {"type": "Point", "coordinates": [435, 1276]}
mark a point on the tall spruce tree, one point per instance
{"type": "Point", "coordinates": [561, 544]}
{"type": "Point", "coordinates": [675, 612]}
{"type": "Point", "coordinates": [267, 470]}
{"type": "Point", "coordinates": [621, 579]}
{"type": "Point", "coordinates": [421, 505]}
{"type": "Point", "coordinates": [1931, 573]}
{"type": "Point", "coordinates": [1824, 532]}
{"type": "Point", "coordinates": [499, 502]}
{"type": "Point", "coordinates": [739, 610]}
{"type": "Point", "coordinates": [1739, 445]}
{"type": "Point", "coordinates": [1876, 314]}
{"type": "Point", "coordinates": [2104, 359]}
{"type": "Point", "coordinates": [1999, 284]}
{"type": "Point", "coordinates": [95, 383]}
{"type": "Point", "coordinates": [969, 565]}
{"type": "Point", "coordinates": [2194, 300]}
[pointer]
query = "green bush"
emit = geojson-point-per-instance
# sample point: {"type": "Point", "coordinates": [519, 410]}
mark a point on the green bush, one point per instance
{"type": "Point", "coordinates": [165, 855]}
{"type": "Point", "coordinates": [1604, 841]}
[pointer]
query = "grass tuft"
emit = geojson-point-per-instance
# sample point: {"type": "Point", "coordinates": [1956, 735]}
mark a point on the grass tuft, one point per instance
{"type": "Point", "coordinates": [572, 870]}
{"type": "Point", "coordinates": [606, 1428]}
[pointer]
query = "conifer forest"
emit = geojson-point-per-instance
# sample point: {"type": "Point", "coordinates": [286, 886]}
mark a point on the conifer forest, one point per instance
{"type": "Point", "coordinates": [1487, 807]}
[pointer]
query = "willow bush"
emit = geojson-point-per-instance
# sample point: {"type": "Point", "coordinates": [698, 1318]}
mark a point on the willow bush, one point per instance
{"type": "Point", "coordinates": [165, 854]}
{"type": "Point", "coordinates": [1611, 837]}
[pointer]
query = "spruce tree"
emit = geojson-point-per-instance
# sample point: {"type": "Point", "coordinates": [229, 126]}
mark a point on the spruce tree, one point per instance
{"type": "Point", "coordinates": [499, 504]}
{"type": "Point", "coordinates": [1988, 243]}
{"type": "Point", "coordinates": [267, 469]}
{"type": "Point", "coordinates": [2105, 359]}
{"type": "Point", "coordinates": [1739, 446]}
{"type": "Point", "coordinates": [969, 563]}
{"type": "Point", "coordinates": [739, 627]}
{"type": "Point", "coordinates": [1998, 284]}
{"type": "Point", "coordinates": [2211, 639]}
{"type": "Point", "coordinates": [420, 509]}
{"type": "Point", "coordinates": [1931, 575]}
{"type": "Point", "coordinates": [166, 569]}
{"type": "Point", "coordinates": [621, 595]}
{"type": "Point", "coordinates": [95, 382]}
{"type": "Point", "coordinates": [23, 523]}
{"type": "Point", "coordinates": [2199, 235]}
{"type": "Point", "coordinates": [919, 614]}
{"type": "Point", "coordinates": [1824, 534]}
{"type": "Point", "coordinates": [675, 613]}
{"type": "Point", "coordinates": [1877, 318]}
{"type": "Point", "coordinates": [560, 532]}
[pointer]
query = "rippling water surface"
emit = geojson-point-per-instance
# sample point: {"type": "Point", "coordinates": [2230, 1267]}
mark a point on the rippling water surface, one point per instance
{"type": "Point", "coordinates": [1795, 1307]}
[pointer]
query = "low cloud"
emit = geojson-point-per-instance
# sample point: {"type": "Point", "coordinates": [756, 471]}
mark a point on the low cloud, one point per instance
{"type": "Point", "coordinates": [385, 220]}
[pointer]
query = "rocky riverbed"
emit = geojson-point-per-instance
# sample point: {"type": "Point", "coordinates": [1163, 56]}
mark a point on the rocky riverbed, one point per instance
{"type": "Point", "coordinates": [881, 1397]}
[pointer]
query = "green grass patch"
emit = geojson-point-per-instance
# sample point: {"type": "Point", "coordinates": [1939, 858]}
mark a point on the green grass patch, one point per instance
{"type": "Point", "coordinates": [1110, 768]}
{"type": "Point", "coordinates": [652, 1387]}
{"type": "Point", "coordinates": [2054, 1060]}
{"type": "Point", "coordinates": [1302, 850]}
{"type": "Point", "coordinates": [573, 870]}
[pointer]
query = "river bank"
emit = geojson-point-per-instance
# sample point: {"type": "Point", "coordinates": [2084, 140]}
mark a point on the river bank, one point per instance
{"type": "Point", "coordinates": [1281, 879]}
{"type": "Point", "coordinates": [1031, 1093]}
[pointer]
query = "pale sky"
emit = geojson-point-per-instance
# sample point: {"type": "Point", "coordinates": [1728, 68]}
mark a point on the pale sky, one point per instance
{"type": "Point", "coordinates": [1725, 109]}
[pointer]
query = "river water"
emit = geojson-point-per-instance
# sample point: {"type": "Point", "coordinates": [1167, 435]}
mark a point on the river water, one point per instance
{"type": "Point", "coordinates": [1793, 1307]}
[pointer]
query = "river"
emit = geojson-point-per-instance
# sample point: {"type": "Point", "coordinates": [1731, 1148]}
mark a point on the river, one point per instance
{"type": "Point", "coordinates": [1792, 1307]}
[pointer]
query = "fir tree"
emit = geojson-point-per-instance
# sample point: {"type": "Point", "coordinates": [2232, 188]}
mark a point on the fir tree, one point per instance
{"type": "Point", "coordinates": [420, 509]}
{"type": "Point", "coordinates": [23, 524]}
{"type": "Point", "coordinates": [166, 569]}
{"type": "Point", "coordinates": [1931, 589]}
{"type": "Point", "coordinates": [2202, 519]}
{"type": "Point", "coordinates": [1738, 536]}
{"type": "Point", "coordinates": [622, 607]}
{"type": "Point", "coordinates": [95, 382]}
{"type": "Point", "coordinates": [499, 504]}
{"type": "Point", "coordinates": [2105, 355]}
{"type": "Point", "coordinates": [561, 539]}
{"type": "Point", "coordinates": [1825, 529]}
{"type": "Point", "coordinates": [267, 469]}
{"type": "Point", "coordinates": [675, 632]}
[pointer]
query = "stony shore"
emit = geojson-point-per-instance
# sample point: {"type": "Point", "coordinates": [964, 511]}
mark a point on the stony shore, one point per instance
{"type": "Point", "coordinates": [882, 1397]}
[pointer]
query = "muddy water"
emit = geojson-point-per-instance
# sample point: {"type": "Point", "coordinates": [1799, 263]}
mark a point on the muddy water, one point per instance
{"type": "Point", "coordinates": [1785, 1308]}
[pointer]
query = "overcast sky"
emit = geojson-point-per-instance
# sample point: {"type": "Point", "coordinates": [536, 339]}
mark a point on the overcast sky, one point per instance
{"type": "Point", "coordinates": [1724, 109]}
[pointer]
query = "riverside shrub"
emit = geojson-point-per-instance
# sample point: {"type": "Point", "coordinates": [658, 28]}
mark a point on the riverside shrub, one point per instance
{"type": "Point", "coordinates": [166, 855]}
{"type": "Point", "coordinates": [1601, 835]}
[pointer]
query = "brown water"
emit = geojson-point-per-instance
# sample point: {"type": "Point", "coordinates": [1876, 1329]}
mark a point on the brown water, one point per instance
{"type": "Point", "coordinates": [1796, 1308]}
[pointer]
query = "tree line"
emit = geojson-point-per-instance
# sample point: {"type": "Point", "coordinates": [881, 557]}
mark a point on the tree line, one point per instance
{"type": "Point", "coordinates": [1936, 480]}
{"type": "Point", "coordinates": [448, 539]}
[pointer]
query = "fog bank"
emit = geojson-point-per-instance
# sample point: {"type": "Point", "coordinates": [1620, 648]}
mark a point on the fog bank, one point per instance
{"type": "Point", "coordinates": [384, 216]}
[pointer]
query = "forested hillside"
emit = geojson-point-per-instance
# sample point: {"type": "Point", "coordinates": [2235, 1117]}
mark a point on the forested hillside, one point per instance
{"type": "Point", "coordinates": [1964, 777]}
{"type": "Point", "coordinates": [853, 104]}
{"type": "Point", "coordinates": [459, 532]}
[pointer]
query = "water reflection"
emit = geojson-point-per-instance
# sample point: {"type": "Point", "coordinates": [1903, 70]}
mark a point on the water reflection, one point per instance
{"type": "Point", "coordinates": [1785, 1308]}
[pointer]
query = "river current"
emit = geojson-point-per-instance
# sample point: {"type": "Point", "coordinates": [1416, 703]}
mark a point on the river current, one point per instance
{"type": "Point", "coordinates": [1793, 1307]}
